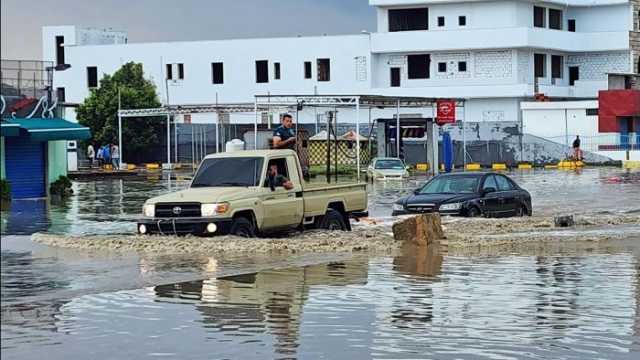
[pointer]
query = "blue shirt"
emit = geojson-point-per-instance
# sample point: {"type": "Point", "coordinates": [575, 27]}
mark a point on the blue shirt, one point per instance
{"type": "Point", "coordinates": [283, 133]}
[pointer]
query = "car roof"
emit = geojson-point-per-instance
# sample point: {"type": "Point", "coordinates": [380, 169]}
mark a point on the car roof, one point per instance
{"type": "Point", "coordinates": [386, 158]}
{"type": "Point", "coordinates": [467, 174]}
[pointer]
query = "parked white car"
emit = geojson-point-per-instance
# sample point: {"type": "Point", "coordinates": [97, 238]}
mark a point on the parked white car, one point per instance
{"type": "Point", "coordinates": [387, 169]}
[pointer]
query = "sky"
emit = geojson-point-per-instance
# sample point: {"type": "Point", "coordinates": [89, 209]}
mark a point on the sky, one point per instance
{"type": "Point", "coordinates": [175, 20]}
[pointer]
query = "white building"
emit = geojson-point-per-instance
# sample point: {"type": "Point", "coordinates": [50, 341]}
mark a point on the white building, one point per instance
{"type": "Point", "coordinates": [495, 54]}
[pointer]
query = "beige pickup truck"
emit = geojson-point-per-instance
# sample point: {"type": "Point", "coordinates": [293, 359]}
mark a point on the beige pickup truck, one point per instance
{"type": "Point", "coordinates": [237, 193]}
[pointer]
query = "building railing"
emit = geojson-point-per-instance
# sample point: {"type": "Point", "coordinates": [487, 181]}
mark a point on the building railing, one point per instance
{"type": "Point", "coordinates": [608, 142]}
{"type": "Point", "coordinates": [25, 78]}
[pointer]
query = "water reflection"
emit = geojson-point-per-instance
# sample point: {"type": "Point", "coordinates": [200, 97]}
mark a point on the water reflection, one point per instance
{"type": "Point", "coordinates": [418, 304]}
{"type": "Point", "coordinates": [272, 301]}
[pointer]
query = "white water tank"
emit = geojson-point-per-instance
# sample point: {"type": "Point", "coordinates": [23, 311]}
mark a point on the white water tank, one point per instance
{"type": "Point", "coordinates": [234, 145]}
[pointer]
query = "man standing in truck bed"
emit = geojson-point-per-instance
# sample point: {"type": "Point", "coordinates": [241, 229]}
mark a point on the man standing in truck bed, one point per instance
{"type": "Point", "coordinates": [284, 137]}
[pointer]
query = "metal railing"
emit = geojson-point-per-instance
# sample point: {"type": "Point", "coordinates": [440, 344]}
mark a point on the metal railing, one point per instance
{"type": "Point", "coordinates": [25, 78]}
{"type": "Point", "coordinates": [608, 142]}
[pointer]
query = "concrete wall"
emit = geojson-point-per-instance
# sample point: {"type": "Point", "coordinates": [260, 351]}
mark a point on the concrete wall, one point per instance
{"type": "Point", "coordinates": [56, 160]}
{"type": "Point", "coordinates": [547, 120]}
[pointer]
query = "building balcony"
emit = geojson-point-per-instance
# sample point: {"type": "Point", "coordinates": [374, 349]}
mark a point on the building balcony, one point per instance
{"type": "Point", "coordinates": [505, 38]}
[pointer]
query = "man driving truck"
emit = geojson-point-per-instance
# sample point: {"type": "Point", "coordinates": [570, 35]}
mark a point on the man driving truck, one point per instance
{"type": "Point", "coordinates": [284, 137]}
{"type": "Point", "coordinates": [274, 179]}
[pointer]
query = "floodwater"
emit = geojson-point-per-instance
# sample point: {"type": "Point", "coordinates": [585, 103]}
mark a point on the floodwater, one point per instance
{"type": "Point", "coordinates": [577, 305]}
{"type": "Point", "coordinates": [565, 301]}
{"type": "Point", "coordinates": [111, 206]}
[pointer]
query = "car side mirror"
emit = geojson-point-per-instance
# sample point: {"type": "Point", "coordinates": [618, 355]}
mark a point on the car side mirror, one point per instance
{"type": "Point", "coordinates": [488, 190]}
{"type": "Point", "coordinates": [416, 191]}
{"type": "Point", "coordinates": [407, 167]}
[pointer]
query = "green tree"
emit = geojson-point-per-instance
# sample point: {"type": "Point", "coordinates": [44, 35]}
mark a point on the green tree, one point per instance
{"type": "Point", "coordinates": [99, 111]}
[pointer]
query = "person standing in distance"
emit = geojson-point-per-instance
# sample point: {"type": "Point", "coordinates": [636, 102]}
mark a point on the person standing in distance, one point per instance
{"type": "Point", "coordinates": [284, 136]}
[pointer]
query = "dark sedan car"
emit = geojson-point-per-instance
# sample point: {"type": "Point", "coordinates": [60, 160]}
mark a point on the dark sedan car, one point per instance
{"type": "Point", "coordinates": [468, 194]}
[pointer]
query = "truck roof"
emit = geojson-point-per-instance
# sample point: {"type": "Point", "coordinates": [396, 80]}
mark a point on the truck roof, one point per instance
{"type": "Point", "coordinates": [252, 153]}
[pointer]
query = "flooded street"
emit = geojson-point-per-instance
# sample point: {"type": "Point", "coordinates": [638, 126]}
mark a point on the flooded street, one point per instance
{"type": "Point", "coordinates": [570, 301]}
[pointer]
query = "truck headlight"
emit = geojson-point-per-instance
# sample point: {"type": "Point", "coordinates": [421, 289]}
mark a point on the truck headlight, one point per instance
{"type": "Point", "coordinates": [398, 207]}
{"type": "Point", "coordinates": [213, 209]}
{"type": "Point", "coordinates": [452, 206]}
{"type": "Point", "coordinates": [149, 210]}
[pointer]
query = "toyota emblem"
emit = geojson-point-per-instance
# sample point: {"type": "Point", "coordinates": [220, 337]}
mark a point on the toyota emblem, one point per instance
{"type": "Point", "coordinates": [177, 210]}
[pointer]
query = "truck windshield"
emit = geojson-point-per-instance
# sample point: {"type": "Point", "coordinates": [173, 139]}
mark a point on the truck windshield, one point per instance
{"type": "Point", "coordinates": [231, 171]}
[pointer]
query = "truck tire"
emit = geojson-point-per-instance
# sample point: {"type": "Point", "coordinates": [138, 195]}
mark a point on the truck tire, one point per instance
{"type": "Point", "coordinates": [333, 220]}
{"type": "Point", "coordinates": [243, 227]}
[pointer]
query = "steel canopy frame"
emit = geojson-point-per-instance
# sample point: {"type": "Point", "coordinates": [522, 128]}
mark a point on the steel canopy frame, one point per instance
{"type": "Point", "coordinates": [350, 101]}
{"type": "Point", "coordinates": [169, 110]}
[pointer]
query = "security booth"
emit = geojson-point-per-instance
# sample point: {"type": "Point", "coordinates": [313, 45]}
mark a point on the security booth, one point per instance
{"type": "Point", "coordinates": [34, 153]}
{"type": "Point", "coordinates": [414, 137]}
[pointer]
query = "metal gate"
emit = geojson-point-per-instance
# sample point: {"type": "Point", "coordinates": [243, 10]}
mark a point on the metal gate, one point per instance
{"type": "Point", "coordinates": [25, 168]}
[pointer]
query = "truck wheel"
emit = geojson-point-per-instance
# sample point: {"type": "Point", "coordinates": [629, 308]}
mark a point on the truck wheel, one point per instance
{"type": "Point", "coordinates": [243, 227]}
{"type": "Point", "coordinates": [333, 220]}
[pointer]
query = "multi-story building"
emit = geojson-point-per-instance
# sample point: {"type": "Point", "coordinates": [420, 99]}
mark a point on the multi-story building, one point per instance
{"type": "Point", "coordinates": [494, 54]}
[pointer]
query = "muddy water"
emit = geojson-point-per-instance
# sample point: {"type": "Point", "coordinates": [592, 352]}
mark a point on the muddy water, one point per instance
{"type": "Point", "coordinates": [576, 304]}
{"type": "Point", "coordinates": [540, 299]}
{"type": "Point", "coordinates": [110, 206]}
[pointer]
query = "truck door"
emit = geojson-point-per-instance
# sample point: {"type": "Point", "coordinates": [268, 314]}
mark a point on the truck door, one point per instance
{"type": "Point", "coordinates": [282, 207]}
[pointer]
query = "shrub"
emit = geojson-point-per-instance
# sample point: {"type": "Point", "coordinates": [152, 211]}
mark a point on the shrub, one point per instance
{"type": "Point", "coordinates": [5, 190]}
{"type": "Point", "coordinates": [61, 187]}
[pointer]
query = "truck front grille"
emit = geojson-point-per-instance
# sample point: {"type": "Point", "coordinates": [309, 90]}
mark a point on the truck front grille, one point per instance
{"type": "Point", "coordinates": [171, 210]}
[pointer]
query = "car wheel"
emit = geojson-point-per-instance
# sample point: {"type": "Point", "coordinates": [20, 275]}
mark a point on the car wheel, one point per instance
{"type": "Point", "coordinates": [243, 227]}
{"type": "Point", "coordinates": [333, 220]}
{"type": "Point", "coordinates": [474, 212]}
{"type": "Point", "coordinates": [522, 211]}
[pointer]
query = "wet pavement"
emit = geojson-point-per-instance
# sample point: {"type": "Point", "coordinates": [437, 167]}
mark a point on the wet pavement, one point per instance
{"type": "Point", "coordinates": [573, 302]}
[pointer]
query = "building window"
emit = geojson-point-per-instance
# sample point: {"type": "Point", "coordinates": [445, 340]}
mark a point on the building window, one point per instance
{"type": "Point", "coordinates": [262, 71]}
{"type": "Point", "coordinates": [59, 50]}
{"type": "Point", "coordinates": [217, 73]}
{"type": "Point", "coordinates": [555, 19]}
{"type": "Point", "coordinates": [395, 76]}
{"type": "Point", "coordinates": [324, 70]}
{"type": "Point", "coordinates": [60, 95]}
{"type": "Point", "coordinates": [276, 71]}
{"type": "Point", "coordinates": [574, 75]}
{"type": "Point", "coordinates": [539, 16]}
{"type": "Point", "coordinates": [418, 66]}
{"type": "Point", "coordinates": [408, 19]}
{"type": "Point", "coordinates": [169, 71]}
{"type": "Point", "coordinates": [442, 67]}
{"type": "Point", "coordinates": [181, 71]}
{"type": "Point", "coordinates": [440, 21]}
{"type": "Point", "coordinates": [307, 69]}
{"type": "Point", "coordinates": [462, 20]}
{"type": "Point", "coordinates": [462, 66]}
{"type": "Point", "coordinates": [92, 76]}
{"type": "Point", "coordinates": [591, 112]}
{"type": "Point", "coordinates": [571, 25]}
{"type": "Point", "coordinates": [540, 65]}
{"type": "Point", "coordinates": [557, 64]}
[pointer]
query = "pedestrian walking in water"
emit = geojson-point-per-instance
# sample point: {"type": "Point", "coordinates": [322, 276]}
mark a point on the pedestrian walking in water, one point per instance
{"type": "Point", "coordinates": [106, 154]}
{"type": "Point", "coordinates": [115, 156]}
{"type": "Point", "coordinates": [577, 153]}
{"type": "Point", "coordinates": [100, 156]}
{"type": "Point", "coordinates": [91, 155]}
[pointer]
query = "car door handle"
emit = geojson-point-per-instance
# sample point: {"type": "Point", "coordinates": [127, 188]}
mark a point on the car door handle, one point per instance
{"type": "Point", "coordinates": [270, 198]}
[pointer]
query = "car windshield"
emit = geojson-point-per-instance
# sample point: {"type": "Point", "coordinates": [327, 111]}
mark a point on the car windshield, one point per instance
{"type": "Point", "coordinates": [232, 171]}
{"type": "Point", "coordinates": [389, 164]}
{"type": "Point", "coordinates": [451, 184]}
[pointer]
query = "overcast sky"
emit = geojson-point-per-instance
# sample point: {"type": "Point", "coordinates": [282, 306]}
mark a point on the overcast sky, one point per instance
{"type": "Point", "coordinates": [170, 20]}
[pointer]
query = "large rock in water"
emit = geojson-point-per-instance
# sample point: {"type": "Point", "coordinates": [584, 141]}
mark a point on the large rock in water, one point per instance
{"type": "Point", "coordinates": [422, 230]}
